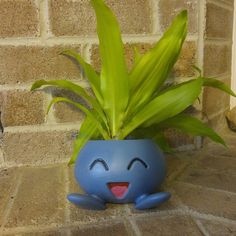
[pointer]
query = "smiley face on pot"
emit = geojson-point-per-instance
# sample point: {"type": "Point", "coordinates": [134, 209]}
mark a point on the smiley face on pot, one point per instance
{"type": "Point", "coordinates": [120, 171]}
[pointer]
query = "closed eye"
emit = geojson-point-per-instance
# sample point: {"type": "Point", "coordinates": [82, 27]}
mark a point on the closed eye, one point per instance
{"type": "Point", "coordinates": [139, 160]}
{"type": "Point", "coordinates": [100, 160]}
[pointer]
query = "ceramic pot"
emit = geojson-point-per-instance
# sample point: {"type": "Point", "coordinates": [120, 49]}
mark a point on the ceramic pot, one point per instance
{"type": "Point", "coordinates": [120, 171]}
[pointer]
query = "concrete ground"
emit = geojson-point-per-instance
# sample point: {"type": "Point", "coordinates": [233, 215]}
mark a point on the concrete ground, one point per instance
{"type": "Point", "coordinates": [203, 186]}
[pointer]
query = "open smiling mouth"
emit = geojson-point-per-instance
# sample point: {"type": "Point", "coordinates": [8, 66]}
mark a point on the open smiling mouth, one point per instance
{"type": "Point", "coordinates": [118, 189]}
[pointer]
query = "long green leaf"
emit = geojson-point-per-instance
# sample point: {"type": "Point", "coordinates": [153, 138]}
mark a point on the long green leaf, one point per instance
{"type": "Point", "coordinates": [114, 74]}
{"type": "Point", "coordinates": [167, 105]}
{"type": "Point", "coordinates": [75, 89]}
{"type": "Point", "coordinates": [210, 82]}
{"type": "Point", "coordinates": [91, 74]}
{"type": "Point", "coordinates": [87, 130]}
{"type": "Point", "coordinates": [151, 71]}
{"type": "Point", "coordinates": [192, 126]}
{"type": "Point", "coordinates": [89, 113]}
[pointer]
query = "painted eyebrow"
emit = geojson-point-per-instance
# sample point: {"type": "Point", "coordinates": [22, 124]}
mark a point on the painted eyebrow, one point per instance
{"type": "Point", "coordinates": [137, 159]}
{"type": "Point", "coordinates": [101, 161]}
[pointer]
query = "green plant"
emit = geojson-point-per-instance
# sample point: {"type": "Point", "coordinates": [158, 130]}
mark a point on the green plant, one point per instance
{"type": "Point", "coordinates": [135, 103]}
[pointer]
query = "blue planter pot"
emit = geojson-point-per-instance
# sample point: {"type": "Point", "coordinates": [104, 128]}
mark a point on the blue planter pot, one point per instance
{"type": "Point", "coordinates": [120, 171]}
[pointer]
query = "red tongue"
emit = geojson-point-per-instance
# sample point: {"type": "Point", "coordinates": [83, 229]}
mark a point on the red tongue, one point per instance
{"type": "Point", "coordinates": [118, 189]}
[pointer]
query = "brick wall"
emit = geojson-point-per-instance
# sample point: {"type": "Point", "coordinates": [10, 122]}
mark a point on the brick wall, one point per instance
{"type": "Point", "coordinates": [32, 33]}
{"type": "Point", "coordinates": [217, 59]}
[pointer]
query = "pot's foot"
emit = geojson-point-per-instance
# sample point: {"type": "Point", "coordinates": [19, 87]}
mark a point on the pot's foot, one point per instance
{"type": "Point", "coordinates": [86, 201]}
{"type": "Point", "coordinates": [151, 201]}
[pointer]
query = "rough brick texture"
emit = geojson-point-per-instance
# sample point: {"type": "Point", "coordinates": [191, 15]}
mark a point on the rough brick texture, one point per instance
{"type": "Point", "coordinates": [19, 18]}
{"type": "Point", "coordinates": [32, 208]}
{"type": "Point", "coordinates": [102, 230]}
{"type": "Point", "coordinates": [7, 185]}
{"type": "Point", "coordinates": [169, 9]}
{"type": "Point", "coordinates": [219, 228]}
{"type": "Point", "coordinates": [211, 105]}
{"type": "Point", "coordinates": [207, 201]}
{"type": "Point", "coordinates": [182, 68]}
{"type": "Point", "coordinates": [165, 226]}
{"type": "Point", "coordinates": [219, 22]}
{"type": "Point", "coordinates": [22, 108]}
{"type": "Point", "coordinates": [29, 63]}
{"type": "Point", "coordinates": [65, 112]}
{"type": "Point", "coordinates": [37, 147]}
{"type": "Point", "coordinates": [217, 59]}
{"type": "Point", "coordinates": [77, 17]}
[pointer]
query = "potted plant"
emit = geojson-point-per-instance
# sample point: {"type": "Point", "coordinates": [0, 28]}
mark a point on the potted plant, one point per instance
{"type": "Point", "coordinates": [118, 152]}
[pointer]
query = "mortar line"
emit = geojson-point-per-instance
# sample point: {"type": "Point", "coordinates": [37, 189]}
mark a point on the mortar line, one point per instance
{"type": "Point", "coordinates": [107, 220]}
{"type": "Point", "coordinates": [44, 20]}
{"type": "Point", "coordinates": [67, 189]}
{"type": "Point", "coordinates": [218, 41]}
{"type": "Point", "coordinates": [226, 3]}
{"type": "Point", "coordinates": [221, 4]}
{"type": "Point", "coordinates": [12, 200]}
{"type": "Point", "coordinates": [154, 5]}
{"type": "Point", "coordinates": [216, 114]}
{"type": "Point", "coordinates": [80, 81]}
{"type": "Point", "coordinates": [63, 40]}
{"type": "Point", "coordinates": [134, 226]}
{"type": "Point", "coordinates": [26, 86]}
{"type": "Point", "coordinates": [88, 53]}
{"type": "Point", "coordinates": [200, 49]}
{"type": "Point", "coordinates": [45, 127]}
{"type": "Point", "coordinates": [207, 188]}
{"type": "Point", "coordinates": [41, 164]}
{"type": "Point", "coordinates": [201, 227]}
{"type": "Point", "coordinates": [210, 217]}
